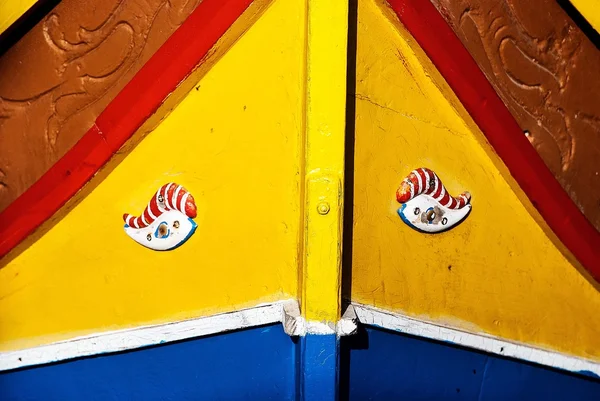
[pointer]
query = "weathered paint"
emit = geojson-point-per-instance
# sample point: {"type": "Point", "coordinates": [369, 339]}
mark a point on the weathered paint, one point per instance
{"type": "Point", "coordinates": [320, 279]}
{"type": "Point", "coordinates": [12, 10]}
{"type": "Point", "coordinates": [318, 367]}
{"type": "Point", "coordinates": [427, 206]}
{"type": "Point", "coordinates": [154, 91]}
{"type": "Point", "coordinates": [498, 272]}
{"type": "Point", "coordinates": [388, 366]}
{"type": "Point", "coordinates": [221, 367]}
{"type": "Point", "coordinates": [404, 324]}
{"type": "Point", "coordinates": [167, 221]}
{"type": "Point", "coordinates": [589, 11]}
{"type": "Point", "coordinates": [327, 30]}
{"type": "Point", "coordinates": [238, 153]}
{"type": "Point", "coordinates": [140, 337]}
{"type": "Point", "coordinates": [556, 212]}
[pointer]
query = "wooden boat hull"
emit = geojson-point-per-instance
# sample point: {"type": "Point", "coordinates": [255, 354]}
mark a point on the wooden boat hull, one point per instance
{"type": "Point", "coordinates": [293, 126]}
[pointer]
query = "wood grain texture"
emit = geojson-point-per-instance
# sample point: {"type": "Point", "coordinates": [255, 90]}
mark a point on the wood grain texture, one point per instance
{"type": "Point", "coordinates": [546, 71]}
{"type": "Point", "coordinates": [65, 71]}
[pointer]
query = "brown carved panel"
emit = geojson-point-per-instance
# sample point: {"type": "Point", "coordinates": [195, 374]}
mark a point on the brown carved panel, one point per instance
{"type": "Point", "coordinates": [547, 72]}
{"type": "Point", "coordinates": [59, 77]}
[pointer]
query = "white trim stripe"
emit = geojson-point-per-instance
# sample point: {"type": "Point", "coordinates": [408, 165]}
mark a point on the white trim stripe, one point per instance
{"type": "Point", "coordinates": [166, 196]}
{"type": "Point", "coordinates": [449, 203]}
{"type": "Point", "coordinates": [123, 340]}
{"type": "Point", "coordinates": [182, 204]}
{"type": "Point", "coordinates": [286, 312]}
{"type": "Point", "coordinates": [174, 198]}
{"type": "Point", "coordinates": [437, 184]}
{"type": "Point", "coordinates": [412, 188]}
{"type": "Point", "coordinates": [426, 188]}
{"type": "Point", "coordinates": [393, 321]}
{"type": "Point", "coordinates": [419, 180]}
{"type": "Point", "coordinates": [442, 193]}
{"type": "Point", "coordinates": [160, 208]}
{"type": "Point", "coordinates": [152, 216]}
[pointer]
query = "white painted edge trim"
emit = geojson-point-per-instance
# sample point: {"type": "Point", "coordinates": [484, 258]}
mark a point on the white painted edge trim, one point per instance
{"type": "Point", "coordinates": [296, 325]}
{"type": "Point", "coordinates": [373, 316]}
{"type": "Point", "coordinates": [129, 339]}
{"type": "Point", "coordinates": [286, 312]}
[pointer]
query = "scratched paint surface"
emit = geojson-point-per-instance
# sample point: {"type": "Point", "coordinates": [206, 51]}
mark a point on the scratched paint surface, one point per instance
{"type": "Point", "coordinates": [498, 272]}
{"type": "Point", "coordinates": [221, 367]}
{"type": "Point", "coordinates": [234, 143]}
{"type": "Point", "coordinates": [409, 368]}
{"type": "Point", "coordinates": [324, 158]}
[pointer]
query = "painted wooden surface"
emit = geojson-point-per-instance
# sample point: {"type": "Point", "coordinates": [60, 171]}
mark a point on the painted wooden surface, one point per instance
{"type": "Point", "coordinates": [589, 11]}
{"type": "Point", "coordinates": [323, 193]}
{"type": "Point", "coordinates": [568, 225]}
{"type": "Point", "coordinates": [377, 365]}
{"type": "Point", "coordinates": [327, 26]}
{"type": "Point", "coordinates": [12, 10]}
{"type": "Point", "coordinates": [253, 364]}
{"type": "Point", "coordinates": [113, 342]}
{"type": "Point", "coordinates": [154, 91]}
{"type": "Point", "coordinates": [238, 153]}
{"type": "Point", "coordinates": [385, 319]}
{"type": "Point", "coordinates": [411, 368]}
{"type": "Point", "coordinates": [500, 272]}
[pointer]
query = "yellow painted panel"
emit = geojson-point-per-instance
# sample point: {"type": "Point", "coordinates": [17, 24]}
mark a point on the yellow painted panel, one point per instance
{"type": "Point", "coordinates": [590, 9]}
{"type": "Point", "coordinates": [325, 124]}
{"type": "Point", "coordinates": [236, 143]}
{"type": "Point", "coordinates": [498, 272]}
{"type": "Point", "coordinates": [12, 10]}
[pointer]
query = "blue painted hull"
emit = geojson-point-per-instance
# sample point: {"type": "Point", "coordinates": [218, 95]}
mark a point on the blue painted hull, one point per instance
{"type": "Point", "coordinates": [385, 366]}
{"type": "Point", "coordinates": [265, 364]}
{"type": "Point", "coordinates": [254, 364]}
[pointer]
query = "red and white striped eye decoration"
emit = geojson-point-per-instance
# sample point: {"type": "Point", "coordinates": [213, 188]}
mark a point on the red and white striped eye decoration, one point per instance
{"type": "Point", "coordinates": [170, 196]}
{"type": "Point", "coordinates": [166, 222]}
{"type": "Point", "coordinates": [422, 190]}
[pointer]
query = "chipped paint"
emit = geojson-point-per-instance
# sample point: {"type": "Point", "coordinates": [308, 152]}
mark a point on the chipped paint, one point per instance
{"type": "Point", "coordinates": [394, 321]}
{"type": "Point", "coordinates": [123, 340]}
{"type": "Point", "coordinates": [501, 270]}
{"type": "Point", "coordinates": [84, 276]}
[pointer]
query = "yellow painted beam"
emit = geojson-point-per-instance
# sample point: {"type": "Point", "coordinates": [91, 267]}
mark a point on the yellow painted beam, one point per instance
{"type": "Point", "coordinates": [590, 9]}
{"type": "Point", "coordinates": [12, 10]}
{"type": "Point", "coordinates": [500, 272]}
{"type": "Point", "coordinates": [327, 29]}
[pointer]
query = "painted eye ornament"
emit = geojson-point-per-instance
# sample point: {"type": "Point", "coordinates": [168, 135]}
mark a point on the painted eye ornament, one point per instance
{"type": "Point", "coordinates": [166, 223]}
{"type": "Point", "coordinates": [426, 204]}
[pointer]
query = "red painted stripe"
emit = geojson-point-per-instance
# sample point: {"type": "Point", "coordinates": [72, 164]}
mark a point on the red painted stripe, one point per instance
{"type": "Point", "coordinates": [486, 108]}
{"type": "Point", "coordinates": [180, 54]}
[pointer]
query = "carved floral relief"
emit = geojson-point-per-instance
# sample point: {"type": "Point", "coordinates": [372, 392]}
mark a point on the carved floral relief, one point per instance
{"type": "Point", "coordinates": [60, 76]}
{"type": "Point", "coordinates": [546, 71]}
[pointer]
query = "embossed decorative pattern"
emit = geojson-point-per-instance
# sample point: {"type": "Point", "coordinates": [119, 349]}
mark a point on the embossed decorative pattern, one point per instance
{"type": "Point", "coordinates": [546, 72]}
{"type": "Point", "coordinates": [65, 71]}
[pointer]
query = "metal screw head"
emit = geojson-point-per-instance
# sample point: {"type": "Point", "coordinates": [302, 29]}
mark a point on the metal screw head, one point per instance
{"type": "Point", "coordinates": [323, 208]}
